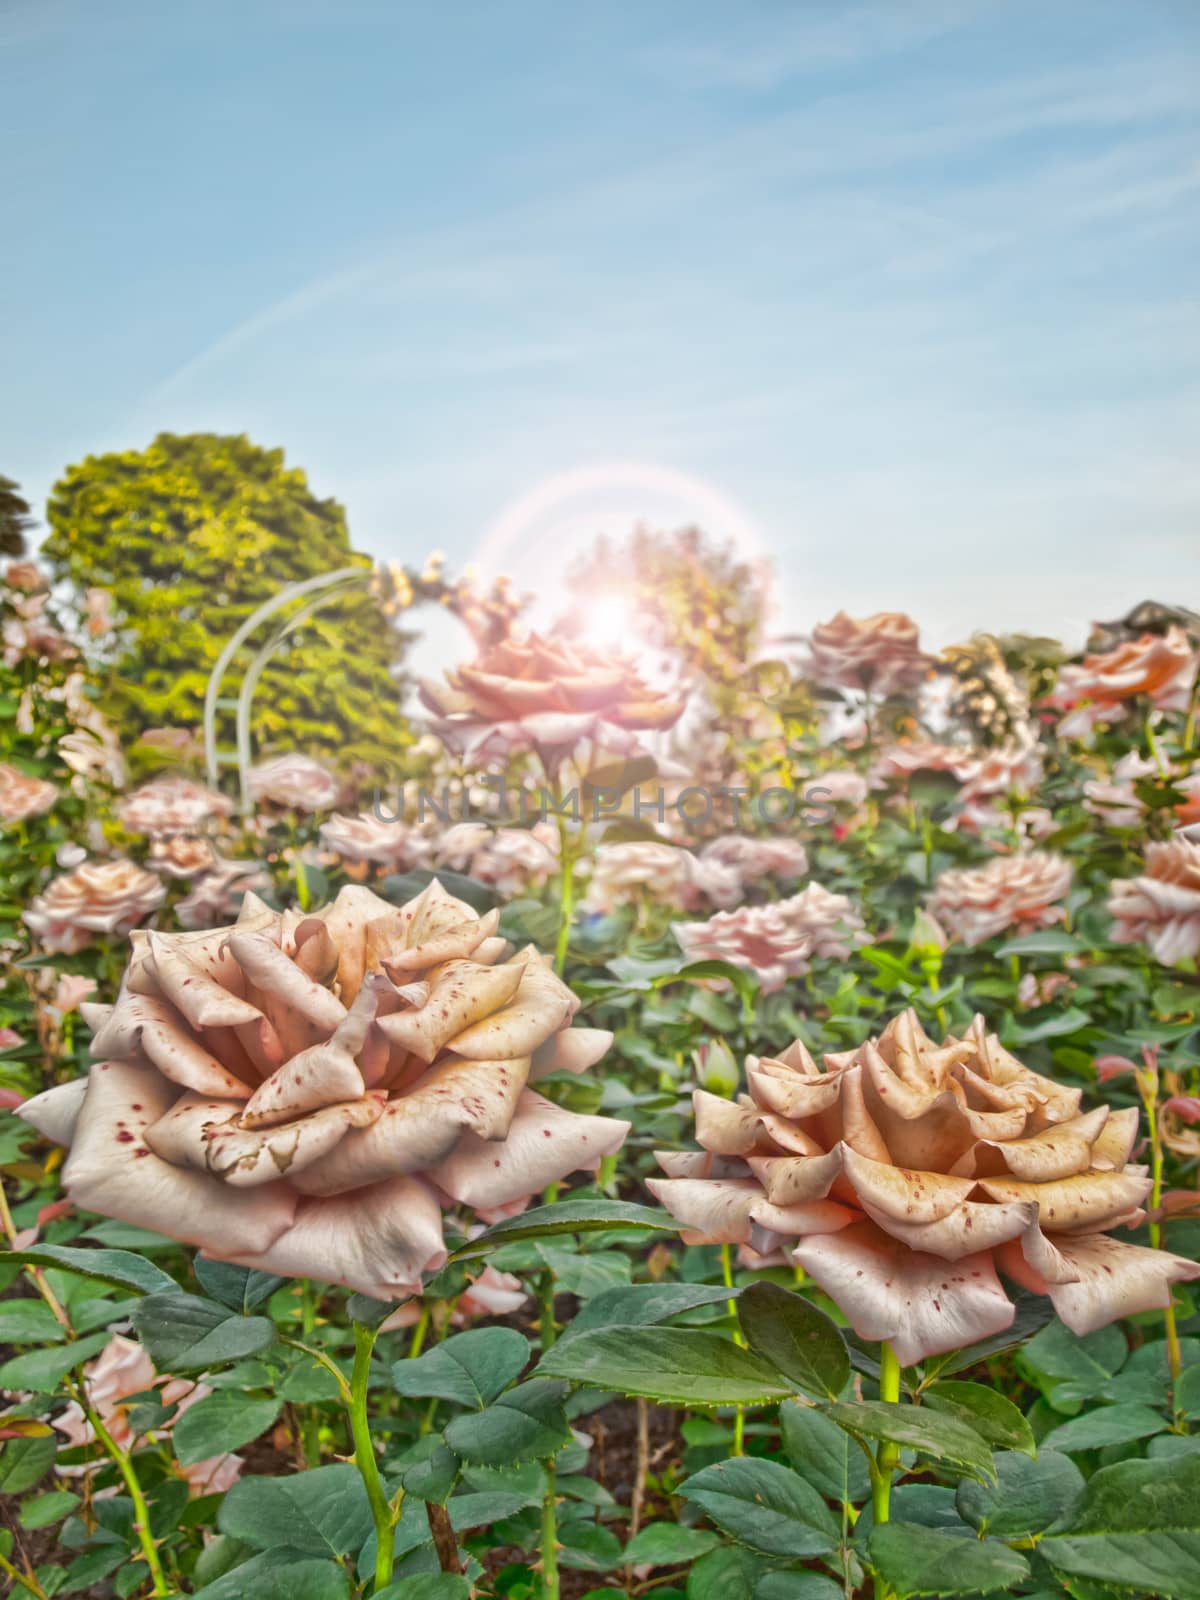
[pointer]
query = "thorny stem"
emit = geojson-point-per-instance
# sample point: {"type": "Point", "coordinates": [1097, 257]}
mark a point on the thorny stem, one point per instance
{"type": "Point", "coordinates": [310, 1437]}
{"type": "Point", "coordinates": [383, 1515]}
{"type": "Point", "coordinates": [549, 1333]}
{"type": "Point", "coordinates": [1174, 1355]}
{"type": "Point", "coordinates": [36, 1275]}
{"type": "Point", "coordinates": [27, 1582]}
{"type": "Point", "coordinates": [417, 1343]}
{"type": "Point", "coordinates": [643, 1466]}
{"type": "Point", "coordinates": [124, 1461]}
{"type": "Point", "coordinates": [739, 1416]}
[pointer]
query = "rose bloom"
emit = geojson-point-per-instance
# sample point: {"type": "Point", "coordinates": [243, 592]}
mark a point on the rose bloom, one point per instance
{"type": "Point", "coordinates": [21, 796]}
{"type": "Point", "coordinates": [304, 1093]}
{"type": "Point", "coordinates": [755, 859]}
{"type": "Point", "coordinates": [296, 782]}
{"type": "Point", "coordinates": [1021, 891]}
{"type": "Point", "coordinates": [26, 577]}
{"type": "Point", "coordinates": [879, 654]}
{"type": "Point", "coordinates": [1161, 907]}
{"type": "Point", "coordinates": [123, 1369]}
{"type": "Point", "coordinates": [168, 806]}
{"type": "Point", "coordinates": [510, 860]}
{"type": "Point", "coordinates": [838, 786]}
{"type": "Point", "coordinates": [108, 897]}
{"type": "Point", "coordinates": [218, 895]}
{"type": "Point", "coordinates": [777, 941]}
{"type": "Point", "coordinates": [1113, 799]}
{"type": "Point", "coordinates": [1161, 666]}
{"type": "Point", "coordinates": [398, 846]}
{"type": "Point", "coordinates": [644, 869]}
{"type": "Point", "coordinates": [181, 856]}
{"type": "Point", "coordinates": [546, 693]}
{"type": "Point", "coordinates": [907, 756]}
{"type": "Point", "coordinates": [908, 1172]}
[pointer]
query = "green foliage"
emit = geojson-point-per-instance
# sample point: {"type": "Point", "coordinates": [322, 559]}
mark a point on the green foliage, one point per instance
{"type": "Point", "coordinates": [15, 518]}
{"type": "Point", "coordinates": [189, 536]}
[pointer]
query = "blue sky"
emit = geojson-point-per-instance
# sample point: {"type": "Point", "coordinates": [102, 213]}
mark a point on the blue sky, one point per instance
{"type": "Point", "coordinates": [902, 295]}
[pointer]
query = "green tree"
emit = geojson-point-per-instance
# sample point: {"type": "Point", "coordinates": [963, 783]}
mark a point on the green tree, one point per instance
{"type": "Point", "coordinates": [15, 520]}
{"type": "Point", "coordinates": [190, 536]}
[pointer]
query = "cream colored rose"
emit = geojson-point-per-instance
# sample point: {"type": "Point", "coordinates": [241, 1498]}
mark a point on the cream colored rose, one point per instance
{"type": "Point", "coordinates": [905, 1173]}
{"type": "Point", "coordinates": [780, 940]}
{"type": "Point", "coordinates": [217, 895]}
{"type": "Point", "coordinates": [181, 856]}
{"type": "Point", "coordinates": [398, 845]}
{"type": "Point", "coordinates": [296, 782]}
{"type": "Point", "coordinates": [1015, 891]}
{"type": "Point", "coordinates": [639, 870]}
{"type": "Point", "coordinates": [1161, 907]}
{"type": "Point", "coordinates": [167, 806]}
{"type": "Point", "coordinates": [880, 654]}
{"type": "Point", "coordinates": [304, 1093]}
{"type": "Point", "coordinates": [753, 860]}
{"type": "Point", "coordinates": [108, 897]}
{"type": "Point", "coordinates": [546, 693]}
{"type": "Point", "coordinates": [21, 796]}
{"type": "Point", "coordinates": [510, 860]}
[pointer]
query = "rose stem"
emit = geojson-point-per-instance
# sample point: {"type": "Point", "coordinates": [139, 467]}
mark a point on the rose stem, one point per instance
{"type": "Point", "coordinates": [364, 1456]}
{"type": "Point", "coordinates": [124, 1461]}
{"type": "Point", "coordinates": [739, 1416]}
{"type": "Point", "coordinates": [1150, 1098]}
{"type": "Point", "coordinates": [566, 892]}
{"type": "Point", "coordinates": [887, 1456]}
{"type": "Point", "coordinates": [549, 1333]}
{"type": "Point", "coordinates": [27, 1582]}
{"type": "Point", "coordinates": [444, 1541]}
{"type": "Point", "coordinates": [35, 1274]}
{"type": "Point", "coordinates": [310, 1432]}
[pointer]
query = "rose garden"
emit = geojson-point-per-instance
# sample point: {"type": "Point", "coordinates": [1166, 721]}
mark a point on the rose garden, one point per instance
{"type": "Point", "coordinates": [716, 1118]}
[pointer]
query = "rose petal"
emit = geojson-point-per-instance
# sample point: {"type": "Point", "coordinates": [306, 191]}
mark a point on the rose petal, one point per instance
{"type": "Point", "coordinates": [544, 1144]}
{"type": "Point", "coordinates": [208, 1135]}
{"type": "Point", "coordinates": [1115, 1142]}
{"type": "Point", "coordinates": [110, 1170]}
{"type": "Point", "coordinates": [55, 1112]}
{"type": "Point", "coordinates": [1059, 1151]}
{"type": "Point", "coordinates": [700, 1164]}
{"type": "Point", "coordinates": [203, 1001]}
{"type": "Point", "coordinates": [795, 1180]}
{"type": "Point", "coordinates": [141, 1027]}
{"type": "Point", "coordinates": [541, 1005]}
{"type": "Point", "coordinates": [378, 1241]}
{"type": "Point", "coordinates": [920, 1303]}
{"type": "Point", "coordinates": [1114, 1280]}
{"type": "Point", "coordinates": [901, 1193]}
{"type": "Point", "coordinates": [460, 993]}
{"type": "Point", "coordinates": [1069, 1204]}
{"type": "Point", "coordinates": [570, 1050]}
{"type": "Point", "coordinates": [968, 1229]}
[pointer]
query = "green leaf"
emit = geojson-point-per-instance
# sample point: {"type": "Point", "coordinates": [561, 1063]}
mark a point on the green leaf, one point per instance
{"type": "Point", "coordinates": [1058, 1354]}
{"type": "Point", "coordinates": [239, 1288]}
{"type": "Point", "coordinates": [727, 1574]}
{"type": "Point", "coordinates": [939, 1437]}
{"type": "Point", "coordinates": [184, 1333]}
{"type": "Point", "coordinates": [641, 1305]}
{"type": "Point", "coordinates": [676, 1366]}
{"type": "Point", "coordinates": [1033, 1312]}
{"type": "Point", "coordinates": [588, 1547]}
{"type": "Point", "coordinates": [1106, 1425]}
{"type": "Point", "coordinates": [427, 1586]}
{"type": "Point", "coordinates": [48, 1509]}
{"type": "Point", "coordinates": [566, 1216]}
{"type": "Point", "coordinates": [799, 1340]}
{"type": "Point", "coordinates": [276, 1576]}
{"type": "Point", "coordinates": [43, 1370]}
{"type": "Point", "coordinates": [221, 1422]}
{"type": "Point", "coordinates": [823, 1453]}
{"type": "Point", "coordinates": [23, 1462]}
{"type": "Point", "coordinates": [1187, 1392]}
{"type": "Point", "coordinates": [744, 983]}
{"type": "Point", "coordinates": [1048, 942]}
{"type": "Point", "coordinates": [585, 1274]}
{"type": "Point", "coordinates": [469, 1368]}
{"type": "Point", "coordinates": [120, 1268]}
{"type": "Point", "coordinates": [1029, 1495]}
{"type": "Point", "coordinates": [29, 1322]}
{"type": "Point", "coordinates": [765, 1506]}
{"type": "Point", "coordinates": [1138, 1528]}
{"type": "Point", "coordinates": [322, 1512]}
{"type": "Point", "coordinates": [797, 1586]}
{"type": "Point", "coordinates": [991, 1414]}
{"type": "Point", "coordinates": [667, 1544]}
{"type": "Point", "coordinates": [913, 1560]}
{"type": "Point", "coordinates": [525, 1424]}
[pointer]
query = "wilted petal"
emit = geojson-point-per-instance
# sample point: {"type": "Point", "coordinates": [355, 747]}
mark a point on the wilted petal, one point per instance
{"type": "Point", "coordinates": [1115, 1142]}
{"type": "Point", "coordinates": [903, 1194]}
{"type": "Point", "coordinates": [970, 1228]}
{"type": "Point", "coordinates": [1073, 1203]}
{"type": "Point", "coordinates": [1114, 1280]}
{"type": "Point", "coordinates": [55, 1112]}
{"type": "Point", "coordinates": [541, 1004]}
{"type": "Point", "coordinates": [143, 1027]}
{"type": "Point", "coordinates": [544, 1143]}
{"type": "Point", "coordinates": [570, 1050]}
{"type": "Point", "coordinates": [920, 1303]}
{"type": "Point", "coordinates": [112, 1171]}
{"type": "Point", "coordinates": [460, 993]}
{"type": "Point", "coordinates": [795, 1180]}
{"type": "Point", "coordinates": [209, 1135]}
{"type": "Point", "coordinates": [423, 1126]}
{"type": "Point", "coordinates": [1059, 1151]}
{"type": "Point", "coordinates": [378, 1241]}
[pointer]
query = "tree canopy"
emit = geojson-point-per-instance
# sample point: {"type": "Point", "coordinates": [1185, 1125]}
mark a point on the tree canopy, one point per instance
{"type": "Point", "coordinates": [15, 519]}
{"type": "Point", "coordinates": [190, 536]}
